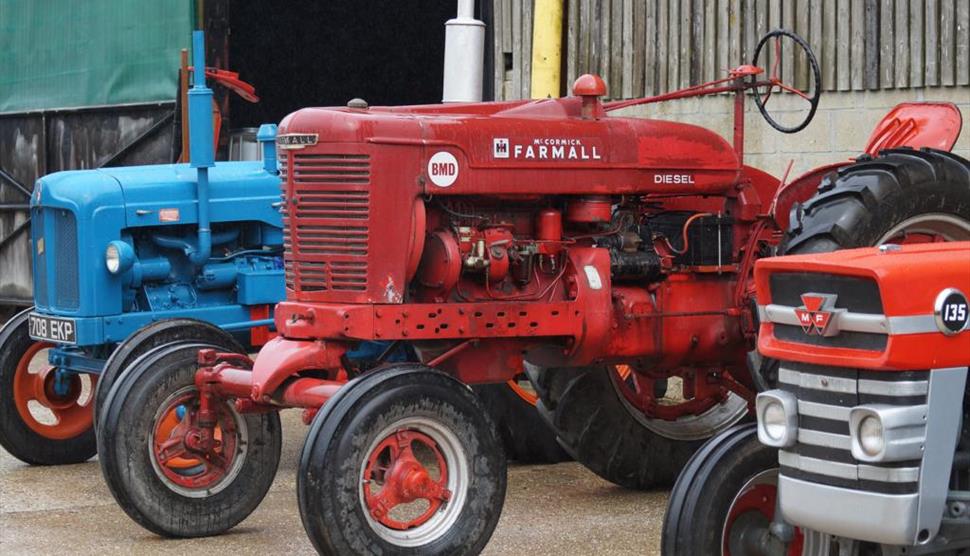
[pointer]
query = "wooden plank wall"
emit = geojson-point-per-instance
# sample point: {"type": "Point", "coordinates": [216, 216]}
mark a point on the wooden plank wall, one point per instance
{"type": "Point", "coordinates": [645, 47]}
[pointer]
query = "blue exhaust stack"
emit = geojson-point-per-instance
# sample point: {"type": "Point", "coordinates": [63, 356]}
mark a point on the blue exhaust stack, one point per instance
{"type": "Point", "coordinates": [201, 153]}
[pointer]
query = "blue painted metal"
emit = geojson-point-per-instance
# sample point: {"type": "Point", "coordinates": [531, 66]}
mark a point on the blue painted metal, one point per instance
{"type": "Point", "coordinates": [200, 240]}
{"type": "Point", "coordinates": [201, 146]}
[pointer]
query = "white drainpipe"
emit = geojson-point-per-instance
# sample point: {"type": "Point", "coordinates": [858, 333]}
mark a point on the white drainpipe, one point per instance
{"type": "Point", "coordinates": [464, 56]}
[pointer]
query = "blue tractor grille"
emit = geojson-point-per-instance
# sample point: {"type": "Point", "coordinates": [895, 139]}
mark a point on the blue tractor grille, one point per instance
{"type": "Point", "coordinates": [55, 254]}
{"type": "Point", "coordinates": [40, 265]}
{"type": "Point", "coordinates": [66, 265]}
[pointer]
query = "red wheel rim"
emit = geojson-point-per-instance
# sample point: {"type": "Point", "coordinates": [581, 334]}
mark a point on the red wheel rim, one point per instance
{"type": "Point", "coordinates": [760, 498]}
{"type": "Point", "coordinates": [72, 413]}
{"type": "Point", "coordinates": [640, 391]}
{"type": "Point", "coordinates": [192, 459]}
{"type": "Point", "coordinates": [394, 477]}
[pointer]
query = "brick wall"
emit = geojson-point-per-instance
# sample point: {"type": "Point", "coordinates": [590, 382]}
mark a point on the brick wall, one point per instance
{"type": "Point", "coordinates": [840, 130]}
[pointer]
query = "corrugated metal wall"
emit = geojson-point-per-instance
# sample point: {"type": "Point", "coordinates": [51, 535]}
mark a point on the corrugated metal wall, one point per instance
{"type": "Point", "coordinates": [644, 47]}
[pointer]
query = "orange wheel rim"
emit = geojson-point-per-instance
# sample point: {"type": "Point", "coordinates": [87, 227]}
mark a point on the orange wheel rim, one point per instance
{"type": "Point", "coordinates": [71, 416]}
{"type": "Point", "coordinates": [526, 394]}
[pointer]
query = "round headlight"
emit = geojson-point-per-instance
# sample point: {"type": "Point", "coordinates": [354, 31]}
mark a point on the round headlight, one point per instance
{"type": "Point", "coordinates": [112, 258]}
{"type": "Point", "coordinates": [773, 420]}
{"type": "Point", "coordinates": [870, 436]}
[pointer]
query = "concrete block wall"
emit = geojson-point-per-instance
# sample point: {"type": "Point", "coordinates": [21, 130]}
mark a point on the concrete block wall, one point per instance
{"type": "Point", "coordinates": [840, 130]}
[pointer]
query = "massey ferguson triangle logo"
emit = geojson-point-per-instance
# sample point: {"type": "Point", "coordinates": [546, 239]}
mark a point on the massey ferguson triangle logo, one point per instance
{"type": "Point", "coordinates": [818, 315]}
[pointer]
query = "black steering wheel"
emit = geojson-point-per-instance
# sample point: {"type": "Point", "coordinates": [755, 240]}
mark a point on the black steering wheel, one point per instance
{"type": "Point", "coordinates": [775, 81]}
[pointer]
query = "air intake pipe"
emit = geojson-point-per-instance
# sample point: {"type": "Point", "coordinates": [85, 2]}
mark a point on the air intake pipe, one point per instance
{"type": "Point", "coordinates": [201, 149]}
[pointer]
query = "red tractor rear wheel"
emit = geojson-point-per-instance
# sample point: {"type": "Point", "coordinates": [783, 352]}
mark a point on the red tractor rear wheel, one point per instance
{"type": "Point", "coordinates": [526, 435]}
{"type": "Point", "coordinates": [599, 415]}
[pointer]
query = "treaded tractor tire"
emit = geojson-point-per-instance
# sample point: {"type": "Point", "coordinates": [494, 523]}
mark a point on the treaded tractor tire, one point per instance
{"type": "Point", "coordinates": [134, 475]}
{"type": "Point", "coordinates": [701, 499]}
{"type": "Point", "coordinates": [597, 429]}
{"type": "Point", "coordinates": [527, 437]}
{"type": "Point", "coordinates": [394, 400]}
{"type": "Point", "coordinates": [16, 436]}
{"type": "Point", "coordinates": [148, 338]}
{"type": "Point", "coordinates": [862, 202]}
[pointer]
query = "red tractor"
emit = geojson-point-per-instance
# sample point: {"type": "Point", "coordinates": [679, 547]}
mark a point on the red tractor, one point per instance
{"type": "Point", "coordinates": [863, 447]}
{"type": "Point", "coordinates": [608, 258]}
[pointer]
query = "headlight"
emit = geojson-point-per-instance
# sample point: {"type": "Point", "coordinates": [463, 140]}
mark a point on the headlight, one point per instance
{"type": "Point", "coordinates": [118, 257]}
{"type": "Point", "coordinates": [773, 420]}
{"type": "Point", "coordinates": [870, 436]}
{"type": "Point", "coordinates": [112, 258]}
{"type": "Point", "coordinates": [777, 412]}
{"type": "Point", "coordinates": [883, 433]}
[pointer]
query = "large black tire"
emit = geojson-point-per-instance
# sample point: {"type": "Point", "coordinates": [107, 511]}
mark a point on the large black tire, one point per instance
{"type": "Point", "coordinates": [864, 202]}
{"type": "Point", "coordinates": [348, 433]}
{"type": "Point", "coordinates": [598, 430]}
{"type": "Point", "coordinates": [16, 436]}
{"type": "Point", "coordinates": [706, 490]}
{"type": "Point", "coordinates": [527, 437]}
{"type": "Point", "coordinates": [133, 474]}
{"type": "Point", "coordinates": [151, 336]}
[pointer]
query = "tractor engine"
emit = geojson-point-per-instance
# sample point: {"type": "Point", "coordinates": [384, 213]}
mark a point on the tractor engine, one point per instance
{"type": "Point", "coordinates": [487, 235]}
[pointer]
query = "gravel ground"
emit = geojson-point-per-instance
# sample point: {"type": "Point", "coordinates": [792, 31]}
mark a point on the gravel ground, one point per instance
{"type": "Point", "coordinates": [556, 509]}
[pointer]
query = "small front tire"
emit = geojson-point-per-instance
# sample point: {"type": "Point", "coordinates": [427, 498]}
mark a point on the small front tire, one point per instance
{"type": "Point", "coordinates": [404, 460]}
{"type": "Point", "coordinates": [161, 483]}
{"type": "Point", "coordinates": [42, 424]}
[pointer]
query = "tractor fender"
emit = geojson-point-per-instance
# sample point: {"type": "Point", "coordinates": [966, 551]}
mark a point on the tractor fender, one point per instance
{"type": "Point", "coordinates": [909, 124]}
{"type": "Point", "coordinates": [282, 358]}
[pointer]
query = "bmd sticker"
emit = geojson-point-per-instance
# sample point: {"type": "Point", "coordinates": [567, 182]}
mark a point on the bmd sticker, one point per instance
{"type": "Point", "coordinates": [443, 169]}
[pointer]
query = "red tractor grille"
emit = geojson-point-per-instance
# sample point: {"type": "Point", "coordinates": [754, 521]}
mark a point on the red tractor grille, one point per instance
{"type": "Point", "coordinates": [327, 229]}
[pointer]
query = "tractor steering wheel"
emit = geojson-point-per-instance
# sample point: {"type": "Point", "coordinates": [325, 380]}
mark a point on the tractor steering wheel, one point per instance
{"type": "Point", "coordinates": [775, 81]}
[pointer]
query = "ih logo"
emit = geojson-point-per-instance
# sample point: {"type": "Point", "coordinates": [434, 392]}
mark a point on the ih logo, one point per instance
{"type": "Point", "coordinates": [818, 315]}
{"type": "Point", "coordinates": [500, 147]}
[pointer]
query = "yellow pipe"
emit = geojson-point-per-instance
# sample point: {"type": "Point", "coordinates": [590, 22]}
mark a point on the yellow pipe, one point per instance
{"type": "Point", "coordinates": [546, 48]}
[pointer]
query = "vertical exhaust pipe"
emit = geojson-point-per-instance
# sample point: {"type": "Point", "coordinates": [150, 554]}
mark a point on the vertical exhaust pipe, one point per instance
{"type": "Point", "coordinates": [464, 56]}
{"type": "Point", "coordinates": [201, 149]}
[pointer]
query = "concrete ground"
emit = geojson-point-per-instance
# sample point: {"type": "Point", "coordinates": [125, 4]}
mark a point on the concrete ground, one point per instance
{"type": "Point", "coordinates": [557, 509]}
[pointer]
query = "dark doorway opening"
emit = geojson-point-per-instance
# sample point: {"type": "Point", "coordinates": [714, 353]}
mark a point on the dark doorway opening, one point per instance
{"type": "Point", "coordinates": [300, 54]}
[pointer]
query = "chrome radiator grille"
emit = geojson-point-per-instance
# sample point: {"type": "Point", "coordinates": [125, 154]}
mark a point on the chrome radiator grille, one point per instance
{"type": "Point", "coordinates": [327, 228]}
{"type": "Point", "coordinates": [822, 453]}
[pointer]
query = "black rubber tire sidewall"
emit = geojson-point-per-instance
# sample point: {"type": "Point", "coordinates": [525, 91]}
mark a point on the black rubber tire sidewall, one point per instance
{"type": "Point", "coordinates": [859, 204]}
{"type": "Point", "coordinates": [15, 436]}
{"type": "Point", "coordinates": [127, 467]}
{"type": "Point", "coordinates": [595, 426]}
{"type": "Point", "coordinates": [527, 437]}
{"type": "Point", "coordinates": [151, 336]}
{"type": "Point", "coordinates": [328, 481]}
{"type": "Point", "coordinates": [701, 498]}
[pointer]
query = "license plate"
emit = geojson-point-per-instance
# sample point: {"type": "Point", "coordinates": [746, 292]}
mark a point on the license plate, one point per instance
{"type": "Point", "coordinates": [54, 329]}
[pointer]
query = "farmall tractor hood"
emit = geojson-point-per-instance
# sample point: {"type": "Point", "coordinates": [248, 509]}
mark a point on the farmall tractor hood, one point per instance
{"type": "Point", "coordinates": [466, 144]}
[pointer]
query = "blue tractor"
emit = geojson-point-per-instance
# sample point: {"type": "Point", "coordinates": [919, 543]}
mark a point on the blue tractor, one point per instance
{"type": "Point", "coordinates": [129, 259]}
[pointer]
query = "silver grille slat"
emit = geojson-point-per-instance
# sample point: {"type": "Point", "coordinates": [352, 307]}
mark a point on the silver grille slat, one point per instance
{"type": "Point", "coordinates": [849, 470]}
{"type": "Point", "coordinates": [817, 382]}
{"type": "Point", "coordinates": [824, 439]}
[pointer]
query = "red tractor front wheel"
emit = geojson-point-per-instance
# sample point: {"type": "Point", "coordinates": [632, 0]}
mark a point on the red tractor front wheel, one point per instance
{"type": "Point", "coordinates": [403, 460]}
{"type": "Point", "coordinates": [46, 415]}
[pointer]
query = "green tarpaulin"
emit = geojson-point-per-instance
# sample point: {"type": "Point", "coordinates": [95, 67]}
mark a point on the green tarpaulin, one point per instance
{"type": "Point", "coordinates": [77, 53]}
